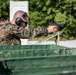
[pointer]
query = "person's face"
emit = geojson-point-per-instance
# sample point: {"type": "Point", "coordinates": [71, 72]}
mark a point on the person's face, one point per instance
{"type": "Point", "coordinates": [25, 22]}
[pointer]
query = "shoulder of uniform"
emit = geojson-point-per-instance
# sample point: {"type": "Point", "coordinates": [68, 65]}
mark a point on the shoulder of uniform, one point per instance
{"type": "Point", "coordinates": [6, 24]}
{"type": "Point", "coordinates": [10, 25]}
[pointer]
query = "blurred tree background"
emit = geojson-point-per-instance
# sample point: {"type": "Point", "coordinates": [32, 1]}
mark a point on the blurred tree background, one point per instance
{"type": "Point", "coordinates": [42, 13]}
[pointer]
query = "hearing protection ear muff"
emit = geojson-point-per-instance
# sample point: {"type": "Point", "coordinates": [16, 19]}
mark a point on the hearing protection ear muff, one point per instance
{"type": "Point", "coordinates": [18, 20]}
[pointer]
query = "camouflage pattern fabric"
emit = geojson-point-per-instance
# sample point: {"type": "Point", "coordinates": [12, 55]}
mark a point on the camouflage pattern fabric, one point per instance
{"type": "Point", "coordinates": [10, 34]}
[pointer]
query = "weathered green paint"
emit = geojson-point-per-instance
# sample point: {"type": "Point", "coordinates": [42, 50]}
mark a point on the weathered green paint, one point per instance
{"type": "Point", "coordinates": [38, 60]}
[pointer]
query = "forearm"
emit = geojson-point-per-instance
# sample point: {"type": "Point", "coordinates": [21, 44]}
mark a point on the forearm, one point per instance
{"type": "Point", "coordinates": [38, 31]}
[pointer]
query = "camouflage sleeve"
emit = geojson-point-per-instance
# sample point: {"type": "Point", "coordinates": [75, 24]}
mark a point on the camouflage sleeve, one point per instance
{"type": "Point", "coordinates": [27, 32]}
{"type": "Point", "coordinates": [38, 32]}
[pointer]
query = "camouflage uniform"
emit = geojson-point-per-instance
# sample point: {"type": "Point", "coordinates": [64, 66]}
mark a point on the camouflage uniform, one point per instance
{"type": "Point", "coordinates": [10, 34]}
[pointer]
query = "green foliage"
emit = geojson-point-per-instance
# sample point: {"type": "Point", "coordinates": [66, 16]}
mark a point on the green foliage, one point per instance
{"type": "Point", "coordinates": [36, 20]}
{"type": "Point", "coordinates": [59, 11]}
{"type": "Point", "coordinates": [60, 18]}
{"type": "Point", "coordinates": [41, 13]}
{"type": "Point", "coordinates": [4, 8]}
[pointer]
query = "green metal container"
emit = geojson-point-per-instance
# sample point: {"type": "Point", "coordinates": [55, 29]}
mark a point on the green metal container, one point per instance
{"type": "Point", "coordinates": [37, 60]}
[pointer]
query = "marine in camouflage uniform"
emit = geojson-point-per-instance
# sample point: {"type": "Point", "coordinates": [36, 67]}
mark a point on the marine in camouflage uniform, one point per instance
{"type": "Point", "coordinates": [10, 34]}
